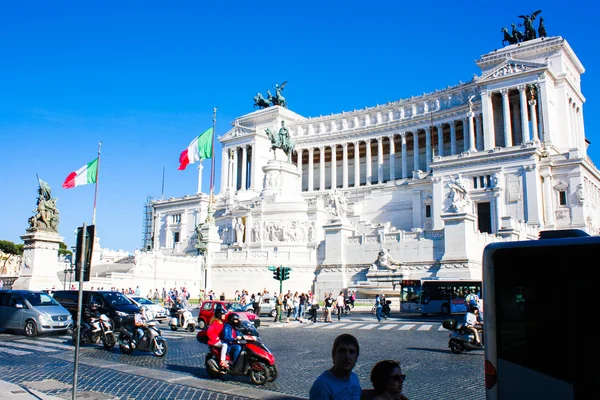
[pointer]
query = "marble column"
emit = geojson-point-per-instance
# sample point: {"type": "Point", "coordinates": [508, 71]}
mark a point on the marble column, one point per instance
{"type": "Point", "coordinates": [506, 116]}
{"type": "Point", "coordinates": [380, 159]}
{"type": "Point", "coordinates": [322, 168]}
{"type": "Point", "coordinates": [416, 149]}
{"type": "Point", "coordinates": [244, 167]}
{"type": "Point", "coordinates": [524, 117]}
{"type": "Point", "coordinates": [440, 132]}
{"type": "Point", "coordinates": [487, 110]}
{"type": "Point", "coordinates": [333, 166]}
{"type": "Point", "coordinates": [427, 147]}
{"type": "Point", "coordinates": [368, 161]}
{"type": "Point", "coordinates": [470, 116]}
{"type": "Point", "coordinates": [235, 168]}
{"type": "Point", "coordinates": [230, 181]}
{"type": "Point", "coordinates": [392, 158]}
{"type": "Point", "coordinates": [311, 169]}
{"type": "Point", "coordinates": [345, 165]}
{"type": "Point", "coordinates": [299, 163]}
{"type": "Point", "coordinates": [404, 156]}
{"type": "Point", "coordinates": [453, 149]}
{"type": "Point", "coordinates": [479, 133]}
{"type": "Point", "coordinates": [534, 125]}
{"type": "Point", "coordinates": [356, 164]}
{"type": "Point", "coordinates": [465, 128]}
{"type": "Point", "coordinates": [253, 183]}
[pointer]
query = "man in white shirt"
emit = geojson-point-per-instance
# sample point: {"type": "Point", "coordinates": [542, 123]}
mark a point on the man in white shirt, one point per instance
{"type": "Point", "coordinates": [339, 303]}
{"type": "Point", "coordinates": [473, 323]}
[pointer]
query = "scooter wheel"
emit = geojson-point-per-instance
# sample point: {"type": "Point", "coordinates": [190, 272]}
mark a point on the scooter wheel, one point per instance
{"type": "Point", "coordinates": [127, 348]}
{"type": "Point", "coordinates": [273, 372]}
{"type": "Point", "coordinates": [160, 348]}
{"type": "Point", "coordinates": [259, 373]}
{"type": "Point", "coordinates": [191, 327]}
{"type": "Point", "coordinates": [456, 348]}
{"type": "Point", "coordinates": [173, 328]}
{"type": "Point", "coordinates": [211, 372]}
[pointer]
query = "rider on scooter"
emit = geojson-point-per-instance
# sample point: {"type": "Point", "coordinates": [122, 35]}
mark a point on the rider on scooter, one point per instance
{"type": "Point", "coordinates": [474, 323]}
{"type": "Point", "coordinates": [214, 333]}
{"type": "Point", "coordinates": [175, 310]}
{"type": "Point", "coordinates": [231, 336]}
{"type": "Point", "coordinates": [89, 314]}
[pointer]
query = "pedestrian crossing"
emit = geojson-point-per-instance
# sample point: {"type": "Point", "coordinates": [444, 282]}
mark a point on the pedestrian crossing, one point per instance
{"type": "Point", "coordinates": [55, 344]}
{"type": "Point", "coordinates": [378, 326]}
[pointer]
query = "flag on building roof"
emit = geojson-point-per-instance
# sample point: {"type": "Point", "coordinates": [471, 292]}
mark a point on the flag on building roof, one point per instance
{"type": "Point", "coordinates": [84, 175]}
{"type": "Point", "coordinates": [199, 149]}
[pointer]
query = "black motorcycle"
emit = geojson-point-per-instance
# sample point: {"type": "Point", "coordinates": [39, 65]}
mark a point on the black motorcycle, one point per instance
{"type": "Point", "coordinates": [461, 339]}
{"type": "Point", "coordinates": [101, 330]}
{"type": "Point", "coordinates": [149, 341]}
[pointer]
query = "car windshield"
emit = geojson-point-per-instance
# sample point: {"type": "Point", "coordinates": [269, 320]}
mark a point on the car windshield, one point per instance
{"type": "Point", "coordinates": [235, 307]}
{"type": "Point", "coordinates": [117, 299]}
{"type": "Point", "coordinates": [142, 300]}
{"type": "Point", "coordinates": [40, 299]}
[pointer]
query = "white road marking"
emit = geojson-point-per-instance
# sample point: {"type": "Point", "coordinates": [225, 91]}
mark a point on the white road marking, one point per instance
{"type": "Point", "coordinates": [441, 328]}
{"type": "Point", "coordinates": [407, 327]}
{"type": "Point", "coordinates": [352, 326]}
{"type": "Point", "coordinates": [386, 327]}
{"type": "Point", "coordinates": [425, 328]}
{"type": "Point", "coordinates": [370, 326]}
{"type": "Point", "coordinates": [334, 326]}
{"type": "Point", "coordinates": [28, 347]}
{"type": "Point", "coordinates": [14, 352]}
{"type": "Point", "coordinates": [44, 343]}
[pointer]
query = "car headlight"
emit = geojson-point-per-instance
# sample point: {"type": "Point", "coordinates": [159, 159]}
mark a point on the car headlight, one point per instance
{"type": "Point", "coordinates": [69, 316]}
{"type": "Point", "coordinates": [44, 317]}
{"type": "Point", "coordinates": [120, 313]}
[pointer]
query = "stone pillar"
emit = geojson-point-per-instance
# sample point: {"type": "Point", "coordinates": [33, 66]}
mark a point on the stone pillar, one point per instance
{"type": "Point", "coordinates": [440, 132]}
{"type": "Point", "coordinates": [39, 269]}
{"type": "Point", "coordinates": [459, 233]}
{"type": "Point", "coordinates": [230, 179]}
{"type": "Point", "coordinates": [479, 133]}
{"type": "Point", "coordinates": [465, 128]}
{"type": "Point", "coordinates": [244, 167]}
{"type": "Point", "coordinates": [506, 115]}
{"type": "Point", "coordinates": [356, 164]}
{"type": "Point", "coordinates": [199, 177]}
{"type": "Point", "coordinates": [524, 118]}
{"type": "Point", "coordinates": [404, 156]}
{"type": "Point", "coordinates": [333, 166]}
{"type": "Point", "coordinates": [427, 147]}
{"type": "Point", "coordinates": [345, 165]}
{"type": "Point", "coordinates": [470, 116]}
{"type": "Point", "coordinates": [534, 123]}
{"type": "Point", "coordinates": [392, 158]}
{"type": "Point", "coordinates": [416, 149]}
{"type": "Point", "coordinates": [253, 180]}
{"type": "Point", "coordinates": [544, 126]}
{"type": "Point", "coordinates": [336, 242]}
{"type": "Point", "coordinates": [299, 163]}
{"type": "Point", "coordinates": [322, 168]}
{"type": "Point", "coordinates": [235, 169]}
{"type": "Point", "coordinates": [368, 163]}
{"type": "Point", "coordinates": [453, 149]}
{"type": "Point", "coordinates": [487, 110]}
{"type": "Point", "coordinates": [311, 180]}
{"type": "Point", "coordinates": [548, 198]}
{"type": "Point", "coordinates": [380, 159]}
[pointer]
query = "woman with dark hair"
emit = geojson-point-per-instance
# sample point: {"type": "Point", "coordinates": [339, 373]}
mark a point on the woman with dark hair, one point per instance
{"type": "Point", "coordinates": [387, 380]}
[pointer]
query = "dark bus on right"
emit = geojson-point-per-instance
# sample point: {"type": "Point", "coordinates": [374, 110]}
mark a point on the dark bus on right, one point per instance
{"type": "Point", "coordinates": [541, 302]}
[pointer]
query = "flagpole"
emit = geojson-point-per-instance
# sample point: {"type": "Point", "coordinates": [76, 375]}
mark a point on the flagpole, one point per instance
{"type": "Point", "coordinates": [96, 190]}
{"type": "Point", "coordinates": [212, 155]}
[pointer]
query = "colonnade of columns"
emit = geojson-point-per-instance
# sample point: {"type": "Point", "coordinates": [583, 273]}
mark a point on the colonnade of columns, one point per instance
{"type": "Point", "coordinates": [237, 167]}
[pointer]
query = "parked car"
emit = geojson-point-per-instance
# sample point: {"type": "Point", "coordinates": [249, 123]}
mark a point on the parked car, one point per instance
{"type": "Point", "coordinates": [33, 312]}
{"type": "Point", "coordinates": [267, 306]}
{"type": "Point", "coordinates": [112, 304]}
{"type": "Point", "coordinates": [207, 311]}
{"type": "Point", "coordinates": [153, 310]}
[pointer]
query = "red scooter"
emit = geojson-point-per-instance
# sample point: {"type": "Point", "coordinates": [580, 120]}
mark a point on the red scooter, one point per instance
{"type": "Point", "coordinates": [255, 359]}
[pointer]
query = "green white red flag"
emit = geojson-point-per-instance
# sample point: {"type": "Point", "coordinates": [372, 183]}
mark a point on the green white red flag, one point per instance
{"type": "Point", "coordinates": [84, 175]}
{"type": "Point", "coordinates": [199, 149]}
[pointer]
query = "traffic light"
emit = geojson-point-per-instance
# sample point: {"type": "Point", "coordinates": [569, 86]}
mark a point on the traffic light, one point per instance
{"type": "Point", "coordinates": [277, 274]}
{"type": "Point", "coordinates": [285, 273]}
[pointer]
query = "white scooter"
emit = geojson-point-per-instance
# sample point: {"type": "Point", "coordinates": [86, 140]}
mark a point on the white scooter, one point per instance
{"type": "Point", "coordinates": [189, 323]}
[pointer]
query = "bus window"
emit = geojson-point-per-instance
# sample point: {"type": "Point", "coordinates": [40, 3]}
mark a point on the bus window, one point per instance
{"type": "Point", "coordinates": [446, 296]}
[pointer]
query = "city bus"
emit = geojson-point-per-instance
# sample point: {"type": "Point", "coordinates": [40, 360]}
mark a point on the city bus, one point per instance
{"type": "Point", "coordinates": [540, 301]}
{"type": "Point", "coordinates": [443, 296]}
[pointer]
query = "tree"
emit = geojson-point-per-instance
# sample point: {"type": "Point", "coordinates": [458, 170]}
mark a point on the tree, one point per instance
{"type": "Point", "coordinates": [63, 249]}
{"type": "Point", "coordinates": [10, 248]}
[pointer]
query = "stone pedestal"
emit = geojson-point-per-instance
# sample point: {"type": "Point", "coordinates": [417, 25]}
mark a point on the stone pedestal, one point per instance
{"type": "Point", "coordinates": [40, 262]}
{"type": "Point", "coordinates": [459, 231]}
{"type": "Point", "coordinates": [282, 182]}
{"type": "Point", "coordinates": [337, 232]}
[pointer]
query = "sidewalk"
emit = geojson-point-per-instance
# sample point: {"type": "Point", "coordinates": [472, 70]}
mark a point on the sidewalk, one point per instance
{"type": "Point", "coordinates": [17, 392]}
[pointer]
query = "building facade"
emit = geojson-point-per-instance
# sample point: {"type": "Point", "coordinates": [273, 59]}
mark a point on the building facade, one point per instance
{"type": "Point", "coordinates": [429, 181]}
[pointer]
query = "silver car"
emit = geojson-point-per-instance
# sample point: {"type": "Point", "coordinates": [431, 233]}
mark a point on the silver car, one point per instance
{"type": "Point", "coordinates": [33, 312]}
{"type": "Point", "coordinates": [153, 310]}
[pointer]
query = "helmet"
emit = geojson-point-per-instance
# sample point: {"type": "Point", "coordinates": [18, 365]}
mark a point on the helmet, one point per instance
{"type": "Point", "coordinates": [234, 319]}
{"type": "Point", "coordinates": [219, 312]}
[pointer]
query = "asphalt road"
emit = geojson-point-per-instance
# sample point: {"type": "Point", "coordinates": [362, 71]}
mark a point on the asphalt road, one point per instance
{"type": "Point", "coordinates": [302, 352]}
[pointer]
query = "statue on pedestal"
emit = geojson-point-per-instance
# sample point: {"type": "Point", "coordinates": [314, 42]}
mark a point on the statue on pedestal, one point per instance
{"type": "Point", "coordinates": [385, 261]}
{"type": "Point", "coordinates": [458, 195]}
{"type": "Point", "coordinates": [45, 216]}
{"type": "Point", "coordinates": [281, 140]}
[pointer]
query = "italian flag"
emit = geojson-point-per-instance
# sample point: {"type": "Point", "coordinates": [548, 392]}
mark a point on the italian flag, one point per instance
{"type": "Point", "coordinates": [199, 149]}
{"type": "Point", "coordinates": [84, 175]}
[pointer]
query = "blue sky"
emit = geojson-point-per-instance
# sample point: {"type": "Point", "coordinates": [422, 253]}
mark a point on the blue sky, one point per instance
{"type": "Point", "coordinates": [143, 77]}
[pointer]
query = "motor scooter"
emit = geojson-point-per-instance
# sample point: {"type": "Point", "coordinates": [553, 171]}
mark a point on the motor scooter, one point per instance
{"type": "Point", "coordinates": [189, 323]}
{"type": "Point", "coordinates": [461, 339]}
{"type": "Point", "coordinates": [149, 341]}
{"type": "Point", "coordinates": [255, 359]}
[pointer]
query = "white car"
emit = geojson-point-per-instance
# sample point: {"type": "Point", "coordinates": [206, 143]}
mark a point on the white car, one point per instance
{"type": "Point", "coordinates": [153, 310]}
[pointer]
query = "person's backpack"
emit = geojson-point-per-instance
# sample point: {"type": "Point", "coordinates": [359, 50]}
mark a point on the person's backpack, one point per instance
{"type": "Point", "coordinates": [472, 299]}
